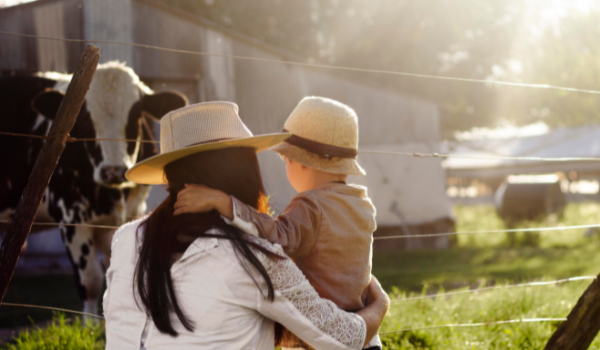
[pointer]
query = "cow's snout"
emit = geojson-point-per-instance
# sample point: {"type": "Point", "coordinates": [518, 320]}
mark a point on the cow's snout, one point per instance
{"type": "Point", "coordinates": [113, 175]}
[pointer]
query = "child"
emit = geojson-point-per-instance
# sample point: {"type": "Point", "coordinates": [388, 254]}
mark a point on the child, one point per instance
{"type": "Point", "coordinates": [327, 229]}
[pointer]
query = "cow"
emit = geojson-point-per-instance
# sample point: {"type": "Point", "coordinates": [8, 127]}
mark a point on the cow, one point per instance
{"type": "Point", "coordinates": [89, 184]}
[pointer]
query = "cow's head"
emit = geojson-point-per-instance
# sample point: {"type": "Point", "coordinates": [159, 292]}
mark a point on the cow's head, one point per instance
{"type": "Point", "coordinates": [117, 106]}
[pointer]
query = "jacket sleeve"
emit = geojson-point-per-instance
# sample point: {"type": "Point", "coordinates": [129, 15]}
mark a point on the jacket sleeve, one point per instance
{"type": "Point", "coordinates": [296, 230]}
{"type": "Point", "coordinates": [298, 307]}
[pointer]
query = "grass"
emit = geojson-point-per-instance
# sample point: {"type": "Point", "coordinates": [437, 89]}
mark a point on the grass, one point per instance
{"type": "Point", "coordinates": [478, 260]}
{"type": "Point", "coordinates": [62, 333]}
{"type": "Point", "coordinates": [483, 217]}
{"type": "Point", "coordinates": [499, 305]}
{"type": "Point", "coordinates": [487, 259]}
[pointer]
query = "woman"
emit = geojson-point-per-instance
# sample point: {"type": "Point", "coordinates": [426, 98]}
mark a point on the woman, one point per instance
{"type": "Point", "coordinates": [193, 281]}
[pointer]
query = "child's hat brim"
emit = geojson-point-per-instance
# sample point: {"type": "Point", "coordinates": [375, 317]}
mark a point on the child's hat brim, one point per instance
{"type": "Point", "coordinates": [335, 165]}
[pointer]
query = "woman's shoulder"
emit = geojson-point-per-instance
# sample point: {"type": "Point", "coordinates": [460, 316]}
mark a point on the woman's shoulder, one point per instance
{"type": "Point", "coordinates": [127, 232]}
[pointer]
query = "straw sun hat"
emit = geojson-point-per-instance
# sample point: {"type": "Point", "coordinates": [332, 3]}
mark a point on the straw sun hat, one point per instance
{"type": "Point", "coordinates": [197, 128]}
{"type": "Point", "coordinates": [324, 136]}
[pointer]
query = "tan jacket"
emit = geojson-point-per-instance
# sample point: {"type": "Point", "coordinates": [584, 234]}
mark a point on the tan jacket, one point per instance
{"type": "Point", "coordinates": [328, 232]}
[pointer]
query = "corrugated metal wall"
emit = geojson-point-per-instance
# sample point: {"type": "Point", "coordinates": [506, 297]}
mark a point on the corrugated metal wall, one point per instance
{"type": "Point", "coordinates": [109, 20]}
{"type": "Point", "coordinates": [265, 92]}
{"type": "Point", "coordinates": [154, 27]}
{"type": "Point", "coordinates": [53, 18]}
{"type": "Point", "coordinates": [17, 53]}
{"type": "Point", "coordinates": [166, 70]}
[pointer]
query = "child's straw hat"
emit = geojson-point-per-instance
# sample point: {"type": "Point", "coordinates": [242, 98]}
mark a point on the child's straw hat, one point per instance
{"type": "Point", "coordinates": [324, 136]}
{"type": "Point", "coordinates": [198, 128]}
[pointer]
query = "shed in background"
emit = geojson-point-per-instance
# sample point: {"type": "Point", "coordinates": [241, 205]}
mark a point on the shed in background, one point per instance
{"type": "Point", "coordinates": [409, 193]}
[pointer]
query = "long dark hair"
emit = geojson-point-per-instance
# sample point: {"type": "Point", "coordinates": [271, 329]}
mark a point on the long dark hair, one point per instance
{"type": "Point", "coordinates": [234, 171]}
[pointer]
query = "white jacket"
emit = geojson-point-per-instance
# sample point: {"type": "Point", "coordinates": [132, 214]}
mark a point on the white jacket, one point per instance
{"type": "Point", "coordinates": [225, 305]}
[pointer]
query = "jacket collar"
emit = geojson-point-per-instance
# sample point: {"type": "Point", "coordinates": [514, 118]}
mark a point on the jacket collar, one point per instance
{"type": "Point", "coordinates": [200, 245]}
{"type": "Point", "coordinates": [348, 189]}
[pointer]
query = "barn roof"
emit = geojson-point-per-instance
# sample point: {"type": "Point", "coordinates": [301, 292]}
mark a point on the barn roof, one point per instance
{"type": "Point", "coordinates": [580, 142]}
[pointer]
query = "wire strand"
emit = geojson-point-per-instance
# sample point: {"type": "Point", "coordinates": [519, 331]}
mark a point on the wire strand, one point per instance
{"type": "Point", "coordinates": [529, 284]}
{"type": "Point", "coordinates": [53, 309]}
{"type": "Point", "coordinates": [407, 154]}
{"type": "Point", "coordinates": [438, 155]}
{"type": "Point", "coordinates": [529, 229]}
{"type": "Point", "coordinates": [73, 139]}
{"type": "Point", "coordinates": [312, 65]}
{"type": "Point", "coordinates": [456, 325]}
{"type": "Point", "coordinates": [64, 224]}
{"type": "Point", "coordinates": [452, 325]}
{"type": "Point", "coordinates": [560, 228]}
{"type": "Point", "coordinates": [43, 137]}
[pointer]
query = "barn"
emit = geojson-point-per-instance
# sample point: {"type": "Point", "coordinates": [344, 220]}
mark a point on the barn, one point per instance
{"type": "Point", "coordinates": [409, 193]}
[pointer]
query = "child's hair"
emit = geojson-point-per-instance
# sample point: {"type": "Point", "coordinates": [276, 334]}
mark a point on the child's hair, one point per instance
{"type": "Point", "coordinates": [234, 171]}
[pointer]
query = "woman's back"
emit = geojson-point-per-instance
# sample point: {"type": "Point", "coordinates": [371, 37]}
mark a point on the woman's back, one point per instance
{"type": "Point", "coordinates": [222, 300]}
{"type": "Point", "coordinates": [217, 294]}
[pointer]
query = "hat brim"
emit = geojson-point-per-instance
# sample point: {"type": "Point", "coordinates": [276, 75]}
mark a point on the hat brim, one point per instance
{"type": "Point", "coordinates": [151, 170]}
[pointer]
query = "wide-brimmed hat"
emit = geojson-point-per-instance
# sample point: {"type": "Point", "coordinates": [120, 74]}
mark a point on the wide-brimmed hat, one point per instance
{"type": "Point", "coordinates": [198, 128]}
{"type": "Point", "coordinates": [324, 136]}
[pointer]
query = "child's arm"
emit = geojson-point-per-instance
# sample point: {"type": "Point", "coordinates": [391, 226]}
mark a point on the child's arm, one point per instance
{"type": "Point", "coordinates": [296, 230]}
{"type": "Point", "coordinates": [202, 199]}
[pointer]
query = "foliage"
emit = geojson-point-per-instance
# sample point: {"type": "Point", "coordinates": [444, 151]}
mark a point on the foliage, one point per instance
{"type": "Point", "coordinates": [61, 334]}
{"type": "Point", "coordinates": [533, 41]}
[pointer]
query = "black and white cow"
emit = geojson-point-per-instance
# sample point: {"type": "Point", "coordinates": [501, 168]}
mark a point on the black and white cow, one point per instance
{"type": "Point", "coordinates": [88, 185]}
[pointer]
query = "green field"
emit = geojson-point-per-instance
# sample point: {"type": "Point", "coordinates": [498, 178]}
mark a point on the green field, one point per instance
{"type": "Point", "coordinates": [490, 259]}
{"type": "Point", "coordinates": [478, 260]}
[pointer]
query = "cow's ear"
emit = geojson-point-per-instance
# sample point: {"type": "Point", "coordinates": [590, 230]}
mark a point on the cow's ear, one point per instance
{"type": "Point", "coordinates": [162, 103]}
{"type": "Point", "coordinates": [47, 103]}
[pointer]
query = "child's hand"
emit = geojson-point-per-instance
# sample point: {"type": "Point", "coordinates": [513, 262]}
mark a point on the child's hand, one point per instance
{"type": "Point", "coordinates": [202, 199]}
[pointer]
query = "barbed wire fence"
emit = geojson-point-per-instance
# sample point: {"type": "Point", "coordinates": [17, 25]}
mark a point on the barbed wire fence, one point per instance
{"type": "Point", "coordinates": [406, 154]}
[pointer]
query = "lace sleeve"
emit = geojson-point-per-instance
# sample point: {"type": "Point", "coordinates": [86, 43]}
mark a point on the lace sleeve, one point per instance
{"type": "Point", "coordinates": [345, 327]}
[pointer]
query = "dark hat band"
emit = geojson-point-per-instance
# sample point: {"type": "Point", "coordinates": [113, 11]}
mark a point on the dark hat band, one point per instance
{"type": "Point", "coordinates": [322, 149]}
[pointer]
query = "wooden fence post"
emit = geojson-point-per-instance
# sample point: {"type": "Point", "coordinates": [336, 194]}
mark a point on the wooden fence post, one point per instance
{"type": "Point", "coordinates": [45, 164]}
{"type": "Point", "coordinates": [582, 324]}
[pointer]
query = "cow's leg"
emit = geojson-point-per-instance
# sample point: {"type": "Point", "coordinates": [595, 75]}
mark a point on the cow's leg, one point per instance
{"type": "Point", "coordinates": [86, 265]}
{"type": "Point", "coordinates": [102, 241]}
